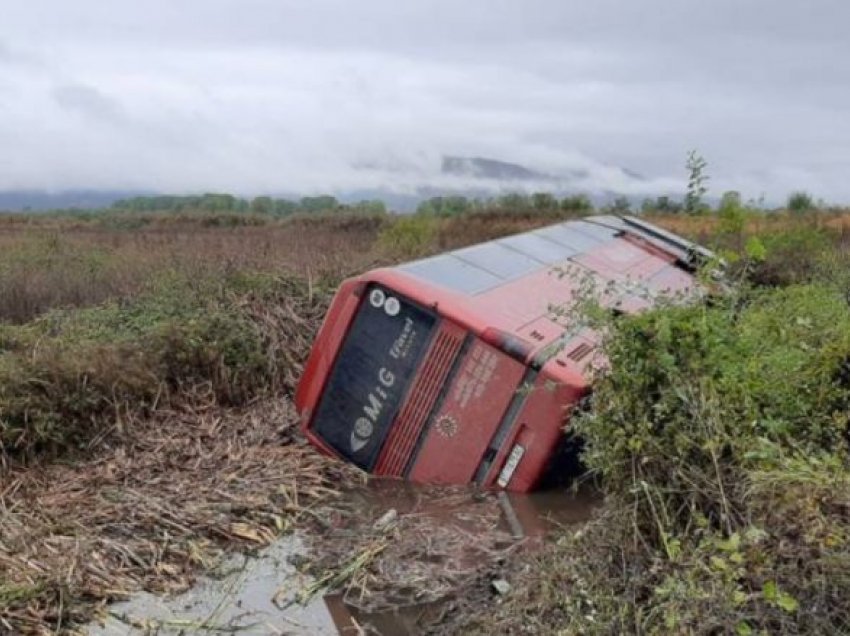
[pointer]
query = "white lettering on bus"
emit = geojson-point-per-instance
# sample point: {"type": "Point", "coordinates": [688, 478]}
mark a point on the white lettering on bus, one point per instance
{"type": "Point", "coordinates": [402, 344]}
{"type": "Point", "coordinates": [373, 409]}
{"type": "Point", "coordinates": [364, 426]}
{"type": "Point", "coordinates": [386, 377]}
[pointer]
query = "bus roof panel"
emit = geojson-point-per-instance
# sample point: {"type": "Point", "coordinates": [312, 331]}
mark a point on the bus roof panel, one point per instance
{"type": "Point", "coordinates": [538, 247]}
{"type": "Point", "coordinates": [502, 261]}
{"type": "Point", "coordinates": [453, 273]}
{"type": "Point", "coordinates": [566, 235]}
{"type": "Point", "coordinates": [602, 233]}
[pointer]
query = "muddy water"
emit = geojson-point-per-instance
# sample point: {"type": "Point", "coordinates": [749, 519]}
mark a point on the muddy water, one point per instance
{"type": "Point", "coordinates": [250, 597]}
{"type": "Point", "coordinates": [253, 594]}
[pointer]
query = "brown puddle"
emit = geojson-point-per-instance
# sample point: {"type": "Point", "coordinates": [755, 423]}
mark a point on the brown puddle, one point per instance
{"type": "Point", "coordinates": [431, 540]}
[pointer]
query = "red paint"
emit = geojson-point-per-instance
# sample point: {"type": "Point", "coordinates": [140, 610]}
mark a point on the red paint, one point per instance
{"type": "Point", "coordinates": [452, 436]}
{"type": "Point", "coordinates": [484, 386]}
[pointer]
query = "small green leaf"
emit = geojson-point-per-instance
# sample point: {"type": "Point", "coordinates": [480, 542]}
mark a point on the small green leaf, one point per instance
{"type": "Point", "coordinates": [718, 564]}
{"type": "Point", "coordinates": [755, 249]}
{"type": "Point", "coordinates": [787, 602]}
{"type": "Point", "coordinates": [731, 544]}
{"type": "Point", "coordinates": [674, 549]}
{"type": "Point", "coordinates": [770, 591]}
{"type": "Point", "coordinates": [743, 629]}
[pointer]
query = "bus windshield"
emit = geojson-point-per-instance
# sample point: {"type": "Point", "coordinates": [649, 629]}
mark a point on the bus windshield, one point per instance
{"type": "Point", "coordinates": [373, 369]}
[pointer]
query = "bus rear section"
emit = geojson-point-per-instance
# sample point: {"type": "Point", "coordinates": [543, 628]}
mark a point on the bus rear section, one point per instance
{"type": "Point", "coordinates": [414, 394]}
{"type": "Point", "coordinates": [453, 369]}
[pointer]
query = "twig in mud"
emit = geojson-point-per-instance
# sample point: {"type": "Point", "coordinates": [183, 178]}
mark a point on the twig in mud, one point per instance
{"type": "Point", "coordinates": [334, 579]}
{"type": "Point", "coordinates": [151, 625]}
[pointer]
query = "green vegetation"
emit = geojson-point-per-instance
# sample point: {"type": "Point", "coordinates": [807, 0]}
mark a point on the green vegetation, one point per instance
{"type": "Point", "coordinates": [261, 205]}
{"type": "Point", "coordinates": [543, 203]}
{"type": "Point", "coordinates": [800, 202]}
{"type": "Point", "coordinates": [69, 374]}
{"type": "Point", "coordinates": [719, 436]}
{"type": "Point", "coordinates": [697, 179]}
{"type": "Point", "coordinates": [409, 236]}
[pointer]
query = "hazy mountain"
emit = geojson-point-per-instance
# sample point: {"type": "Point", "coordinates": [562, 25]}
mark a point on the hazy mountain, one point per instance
{"type": "Point", "coordinates": [402, 187]}
{"type": "Point", "coordinates": [483, 168]}
{"type": "Point", "coordinates": [17, 200]}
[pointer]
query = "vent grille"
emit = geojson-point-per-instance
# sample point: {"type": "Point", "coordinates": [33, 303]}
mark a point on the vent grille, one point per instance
{"type": "Point", "coordinates": [580, 352]}
{"type": "Point", "coordinates": [420, 401]}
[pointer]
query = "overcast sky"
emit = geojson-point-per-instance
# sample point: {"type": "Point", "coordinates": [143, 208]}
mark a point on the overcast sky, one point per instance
{"type": "Point", "coordinates": [258, 96]}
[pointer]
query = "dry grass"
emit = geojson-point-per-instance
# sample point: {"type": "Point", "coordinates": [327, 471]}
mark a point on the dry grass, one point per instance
{"type": "Point", "coordinates": [151, 512]}
{"type": "Point", "coordinates": [704, 229]}
{"type": "Point", "coordinates": [47, 264]}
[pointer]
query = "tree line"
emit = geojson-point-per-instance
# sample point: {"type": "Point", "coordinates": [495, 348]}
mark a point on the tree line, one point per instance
{"type": "Point", "coordinates": [222, 202]}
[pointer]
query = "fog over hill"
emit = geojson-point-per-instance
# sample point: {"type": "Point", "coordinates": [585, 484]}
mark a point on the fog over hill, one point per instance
{"type": "Point", "coordinates": [402, 185]}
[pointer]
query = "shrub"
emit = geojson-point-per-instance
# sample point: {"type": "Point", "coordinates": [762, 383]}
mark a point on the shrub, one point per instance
{"type": "Point", "coordinates": [797, 255]}
{"type": "Point", "coordinates": [620, 205]}
{"type": "Point", "coordinates": [697, 179]}
{"type": "Point", "coordinates": [719, 438]}
{"type": "Point", "coordinates": [577, 203]}
{"type": "Point", "coordinates": [409, 236]}
{"type": "Point", "coordinates": [543, 201]}
{"type": "Point", "coordinates": [40, 272]}
{"type": "Point", "coordinates": [800, 202]}
{"type": "Point", "coordinates": [70, 374]}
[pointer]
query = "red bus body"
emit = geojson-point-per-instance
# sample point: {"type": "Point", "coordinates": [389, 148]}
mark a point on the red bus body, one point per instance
{"type": "Point", "coordinates": [497, 370]}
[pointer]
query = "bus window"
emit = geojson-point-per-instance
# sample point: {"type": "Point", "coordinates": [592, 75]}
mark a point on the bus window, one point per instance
{"type": "Point", "coordinates": [372, 372]}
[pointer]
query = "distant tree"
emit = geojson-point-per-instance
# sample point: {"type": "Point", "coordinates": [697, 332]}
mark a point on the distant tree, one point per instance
{"type": "Point", "coordinates": [283, 207]}
{"type": "Point", "coordinates": [374, 206]}
{"type": "Point", "coordinates": [662, 205]}
{"type": "Point", "coordinates": [444, 206]}
{"type": "Point", "coordinates": [732, 213]}
{"type": "Point", "coordinates": [576, 203]}
{"type": "Point", "coordinates": [262, 205]}
{"type": "Point", "coordinates": [321, 203]}
{"type": "Point", "coordinates": [729, 200]}
{"type": "Point", "coordinates": [800, 202]}
{"type": "Point", "coordinates": [514, 202]}
{"type": "Point", "coordinates": [544, 202]}
{"type": "Point", "coordinates": [697, 179]}
{"type": "Point", "coordinates": [427, 207]}
{"type": "Point", "coordinates": [620, 205]}
{"type": "Point", "coordinates": [455, 205]}
{"type": "Point", "coordinates": [215, 202]}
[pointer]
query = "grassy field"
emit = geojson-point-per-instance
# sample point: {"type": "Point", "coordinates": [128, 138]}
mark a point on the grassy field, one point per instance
{"type": "Point", "coordinates": [144, 355]}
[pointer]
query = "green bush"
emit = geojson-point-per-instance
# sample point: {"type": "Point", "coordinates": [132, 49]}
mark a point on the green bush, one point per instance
{"type": "Point", "coordinates": [798, 255]}
{"type": "Point", "coordinates": [70, 374]}
{"type": "Point", "coordinates": [800, 202]}
{"type": "Point", "coordinates": [409, 236]}
{"type": "Point", "coordinates": [719, 438]}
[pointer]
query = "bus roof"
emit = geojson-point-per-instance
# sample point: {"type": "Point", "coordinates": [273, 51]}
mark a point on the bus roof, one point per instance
{"type": "Point", "coordinates": [483, 267]}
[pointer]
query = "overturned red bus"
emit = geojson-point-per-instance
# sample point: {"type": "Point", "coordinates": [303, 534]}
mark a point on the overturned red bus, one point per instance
{"type": "Point", "coordinates": [453, 369]}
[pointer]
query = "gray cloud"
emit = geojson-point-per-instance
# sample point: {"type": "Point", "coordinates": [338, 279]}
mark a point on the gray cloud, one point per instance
{"type": "Point", "coordinates": [88, 101]}
{"type": "Point", "coordinates": [263, 95]}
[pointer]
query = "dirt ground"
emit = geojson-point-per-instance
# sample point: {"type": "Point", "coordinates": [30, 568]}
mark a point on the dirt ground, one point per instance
{"type": "Point", "coordinates": [154, 510]}
{"type": "Point", "coordinates": [150, 511]}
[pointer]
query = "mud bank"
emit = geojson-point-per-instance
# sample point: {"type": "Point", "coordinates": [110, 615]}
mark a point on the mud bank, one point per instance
{"type": "Point", "coordinates": [386, 558]}
{"type": "Point", "coordinates": [154, 511]}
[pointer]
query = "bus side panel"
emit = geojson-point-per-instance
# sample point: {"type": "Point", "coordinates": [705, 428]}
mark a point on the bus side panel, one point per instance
{"type": "Point", "coordinates": [475, 403]}
{"type": "Point", "coordinates": [324, 349]}
{"type": "Point", "coordinates": [539, 426]}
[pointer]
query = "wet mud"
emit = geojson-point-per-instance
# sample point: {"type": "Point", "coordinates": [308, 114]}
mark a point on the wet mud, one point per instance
{"type": "Point", "coordinates": [388, 558]}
